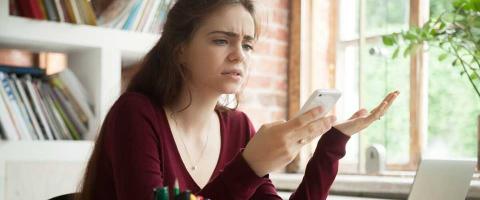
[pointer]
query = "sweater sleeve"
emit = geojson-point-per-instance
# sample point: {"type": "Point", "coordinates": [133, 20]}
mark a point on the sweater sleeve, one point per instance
{"type": "Point", "coordinates": [322, 168]}
{"type": "Point", "coordinates": [133, 148]}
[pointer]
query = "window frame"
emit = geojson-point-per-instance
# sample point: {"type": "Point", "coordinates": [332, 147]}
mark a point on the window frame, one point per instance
{"type": "Point", "coordinates": [303, 19]}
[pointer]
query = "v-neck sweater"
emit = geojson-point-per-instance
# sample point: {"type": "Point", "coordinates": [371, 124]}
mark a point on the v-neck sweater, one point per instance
{"type": "Point", "coordinates": [138, 153]}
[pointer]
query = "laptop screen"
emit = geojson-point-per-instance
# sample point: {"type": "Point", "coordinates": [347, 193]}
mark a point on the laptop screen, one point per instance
{"type": "Point", "coordinates": [442, 179]}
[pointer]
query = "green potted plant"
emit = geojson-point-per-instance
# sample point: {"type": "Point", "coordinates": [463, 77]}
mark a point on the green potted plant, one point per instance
{"type": "Point", "coordinates": [456, 32]}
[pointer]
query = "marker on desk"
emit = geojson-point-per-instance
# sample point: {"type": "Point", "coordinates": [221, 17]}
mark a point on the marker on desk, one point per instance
{"type": "Point", "coordinates": [160, 193]}
{"type": "Point", "coordinates": [185, 195]}
{"type": "Point", "coordinates": [176, 189]}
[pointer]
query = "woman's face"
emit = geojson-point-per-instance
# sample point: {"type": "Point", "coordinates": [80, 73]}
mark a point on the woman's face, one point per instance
{"type": "Point", "coordinates": [218, 53]}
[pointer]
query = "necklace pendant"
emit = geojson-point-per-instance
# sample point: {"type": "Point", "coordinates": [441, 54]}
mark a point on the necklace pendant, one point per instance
{"type": "Point", "coordinates": [193, 168]}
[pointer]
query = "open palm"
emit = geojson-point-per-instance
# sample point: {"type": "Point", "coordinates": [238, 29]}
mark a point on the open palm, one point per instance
{"type": "Point", "coordinates": [362, 118]}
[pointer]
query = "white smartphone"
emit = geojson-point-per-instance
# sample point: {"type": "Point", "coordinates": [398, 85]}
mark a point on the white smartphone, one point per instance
{"type": "Point", "coordinates": [326, 98]}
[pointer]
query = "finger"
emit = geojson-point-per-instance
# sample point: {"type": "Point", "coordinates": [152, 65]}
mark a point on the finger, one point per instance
{"type": "Point", "coordinates": [303, 119]}
{"type": "Point", "coordinates": [359, 113]}
{"type": "Point", "coordinates": [276, 123]}
{"type": "Point", "coordinates": [383, 107]}
{"type": "Point", "coordinates": [376, 113]}
{"type": "Point", "coordinates": [314, 129]}
{"type": "Point", "coordinates": [391, 99]}
{"type": "Point", "coordinates": [388, 99]}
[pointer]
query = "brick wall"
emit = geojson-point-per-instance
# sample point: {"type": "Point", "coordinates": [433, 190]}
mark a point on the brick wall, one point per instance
{"type": "Point", "coordinates": [264, 98]}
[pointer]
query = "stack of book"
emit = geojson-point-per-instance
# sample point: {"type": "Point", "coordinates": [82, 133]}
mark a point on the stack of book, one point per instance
{"type": "Point", "coordinates": [70, 11]}
{"type": "Point", "coordinates": [134, 15]}
{"type": "Point", "coordinates": [34, 106]}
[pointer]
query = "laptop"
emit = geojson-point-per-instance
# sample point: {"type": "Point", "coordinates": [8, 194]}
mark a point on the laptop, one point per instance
{"type": "Point", "coordinates": [442, 179]}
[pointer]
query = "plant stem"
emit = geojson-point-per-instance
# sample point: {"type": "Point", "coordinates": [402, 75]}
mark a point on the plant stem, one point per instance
{"type": "Point", "coordinates": [465, 69]}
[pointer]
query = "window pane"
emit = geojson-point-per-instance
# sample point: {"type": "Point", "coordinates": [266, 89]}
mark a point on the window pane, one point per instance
{"type": "Point", "coordinates": [347, 82]}
{"type": "Point", "coordinates": [380, 75]}
{"type": "Point", "coordinates": [385, 16]}
{"type": "Point", "coordinates": [439, 6]}
{"type": "Point", "coordinates": [453, 110]}
{"type": "Point", "coordinates": [349, 20]}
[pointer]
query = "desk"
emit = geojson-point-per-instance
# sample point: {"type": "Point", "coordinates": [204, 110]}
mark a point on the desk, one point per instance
{"type": "Point", "coordinates": [286, 195]}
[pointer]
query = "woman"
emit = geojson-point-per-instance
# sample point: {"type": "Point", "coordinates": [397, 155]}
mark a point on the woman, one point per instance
{"type": "Point", "coordinates": [169, 125]}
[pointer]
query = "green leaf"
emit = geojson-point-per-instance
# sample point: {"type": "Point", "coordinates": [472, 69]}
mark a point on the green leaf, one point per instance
{"type": "Point", "coordinates": [410, 35]}
{"type": "Point", "coordinates": [442, 57]}
{"type": "Point", "coordinates": [388, 40]}
{"type": "Point", "coordinates": [395, 53]}
{"type": "Point", "coordinates": [442, 25]}
{"type": "Point", "coordinates": [455, 62]}
{"type": "Point", "coordinates": [473, 76]}
{"type": "Point", "coordinates": [442, 44]}
{"type": "Point", "coordinates": [407, 51]}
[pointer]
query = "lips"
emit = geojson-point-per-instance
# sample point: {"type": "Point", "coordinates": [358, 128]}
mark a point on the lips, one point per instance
{"type": "Point", "coordinates": [235, 72]}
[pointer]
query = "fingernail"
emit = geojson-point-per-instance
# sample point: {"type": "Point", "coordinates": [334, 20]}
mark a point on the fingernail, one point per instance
{"type": "Point", "coordinates": [319, 111]}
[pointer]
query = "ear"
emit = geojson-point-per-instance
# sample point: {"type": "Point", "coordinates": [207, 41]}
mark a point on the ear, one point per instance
{"type": "Point", "coordinates": [181, 53]}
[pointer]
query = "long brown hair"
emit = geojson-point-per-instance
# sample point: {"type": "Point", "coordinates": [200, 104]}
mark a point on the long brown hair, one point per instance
{"type": "Point", "coordinates": [161, 76]}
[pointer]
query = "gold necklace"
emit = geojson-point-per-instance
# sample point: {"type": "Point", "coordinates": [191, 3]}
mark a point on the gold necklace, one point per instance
{"type": "Point", "coordinates": [194, 165]}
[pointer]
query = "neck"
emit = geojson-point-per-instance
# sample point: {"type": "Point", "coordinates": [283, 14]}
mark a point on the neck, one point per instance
{"type": "Point", "coordinates": [198, 115]}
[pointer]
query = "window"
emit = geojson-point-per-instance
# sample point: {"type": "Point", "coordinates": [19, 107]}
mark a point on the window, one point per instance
{"type": "Point", "coordinates": [365, 73]}
{"type": "Point", "coordinates": [453, 106]}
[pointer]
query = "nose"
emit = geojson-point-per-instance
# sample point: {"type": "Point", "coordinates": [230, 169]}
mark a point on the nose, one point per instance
{"type": "Point", "coordinates": [237, 55]}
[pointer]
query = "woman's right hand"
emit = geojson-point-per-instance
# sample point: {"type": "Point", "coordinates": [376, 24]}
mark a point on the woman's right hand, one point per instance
{"type": "Point", "coordinates": [276, 144]}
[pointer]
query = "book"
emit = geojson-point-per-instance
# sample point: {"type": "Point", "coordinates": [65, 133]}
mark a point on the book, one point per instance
{"type": "Point", "coordinates": [22, 108]}
{"type": "Point", "coordinates": [37, 109]}
{"type": "Point", "coordinates": [132, 15]}
{"type": "Point", "coordinates": [70, 114]}
{"type": "Point", "coordinates": [76, 12]}
{"type": "Point", "coordinates": [33, 71]}
{"type": "Point", "coordinates": [8, 127]}
{"type": "Point", "coordinates": [88, 13]}
{"type": "Point", "coordinates": [99, 6]}
{"type": "Point", "coordinates": [59, 10]}
{"type": "Point", "coordinates": [13, 108]}
{"type": "Point", "coordinates": [2, 133]}
{"type": "Point", "coordinates": [46, 111]}
{"type": "Point", "coordinates": [13, 8]}
{"type": "Point", "coordinates": [116, 12]}
{"type": "Point", "coordinates": [57, 115]}
{"type": "Point", "coordinates": [138, 17]}
{"type": "Point", "coordinates": [71, 128]}
{"type": "Point", "coordinates": [43, 11]}
{"type": "Point", "coordinates": [150, 16]}
{"type": "Point", "coordinates": [28, 107]}
{"type": "Point", "coordinates": [51, 10]}
{"type": "Point", "coordinates": [76, 91]}
{"type": "Point", "coordinates": [70, 12]}
{"type": "Point", "coordinates": [160, 16]}
{"type": "Point", "coordinates": [30, 9]}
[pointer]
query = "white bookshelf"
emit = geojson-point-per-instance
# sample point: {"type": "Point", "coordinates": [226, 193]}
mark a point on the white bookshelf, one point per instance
{"type": "Point", "coordinates": [95, 55]}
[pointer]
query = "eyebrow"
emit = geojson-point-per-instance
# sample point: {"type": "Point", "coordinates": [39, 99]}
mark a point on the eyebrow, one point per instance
{"type": "Point", "coordinates": [232, 34]}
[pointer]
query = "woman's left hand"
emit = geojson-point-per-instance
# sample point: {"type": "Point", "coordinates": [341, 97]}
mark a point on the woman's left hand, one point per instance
{"type": "Point", "coordinates": [362, 119]}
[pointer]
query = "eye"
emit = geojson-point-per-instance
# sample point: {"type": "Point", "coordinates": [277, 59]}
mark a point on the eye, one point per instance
{"type": "Point", "coordinates": [220, 42]}
{"type": "Point", "coordinates": [247, 47]}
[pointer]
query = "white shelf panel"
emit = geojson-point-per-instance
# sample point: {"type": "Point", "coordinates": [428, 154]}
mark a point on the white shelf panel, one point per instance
{"type": "Point", "coordinates": [66, 37]}
{"type": "Point", "coordinates": [64, 150]}
{"type": "Point", "coordinates": [50, 160]}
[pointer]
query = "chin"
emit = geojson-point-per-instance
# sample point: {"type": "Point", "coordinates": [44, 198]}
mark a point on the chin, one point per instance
{"type": "Point", "coordinates": [230, 89]}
